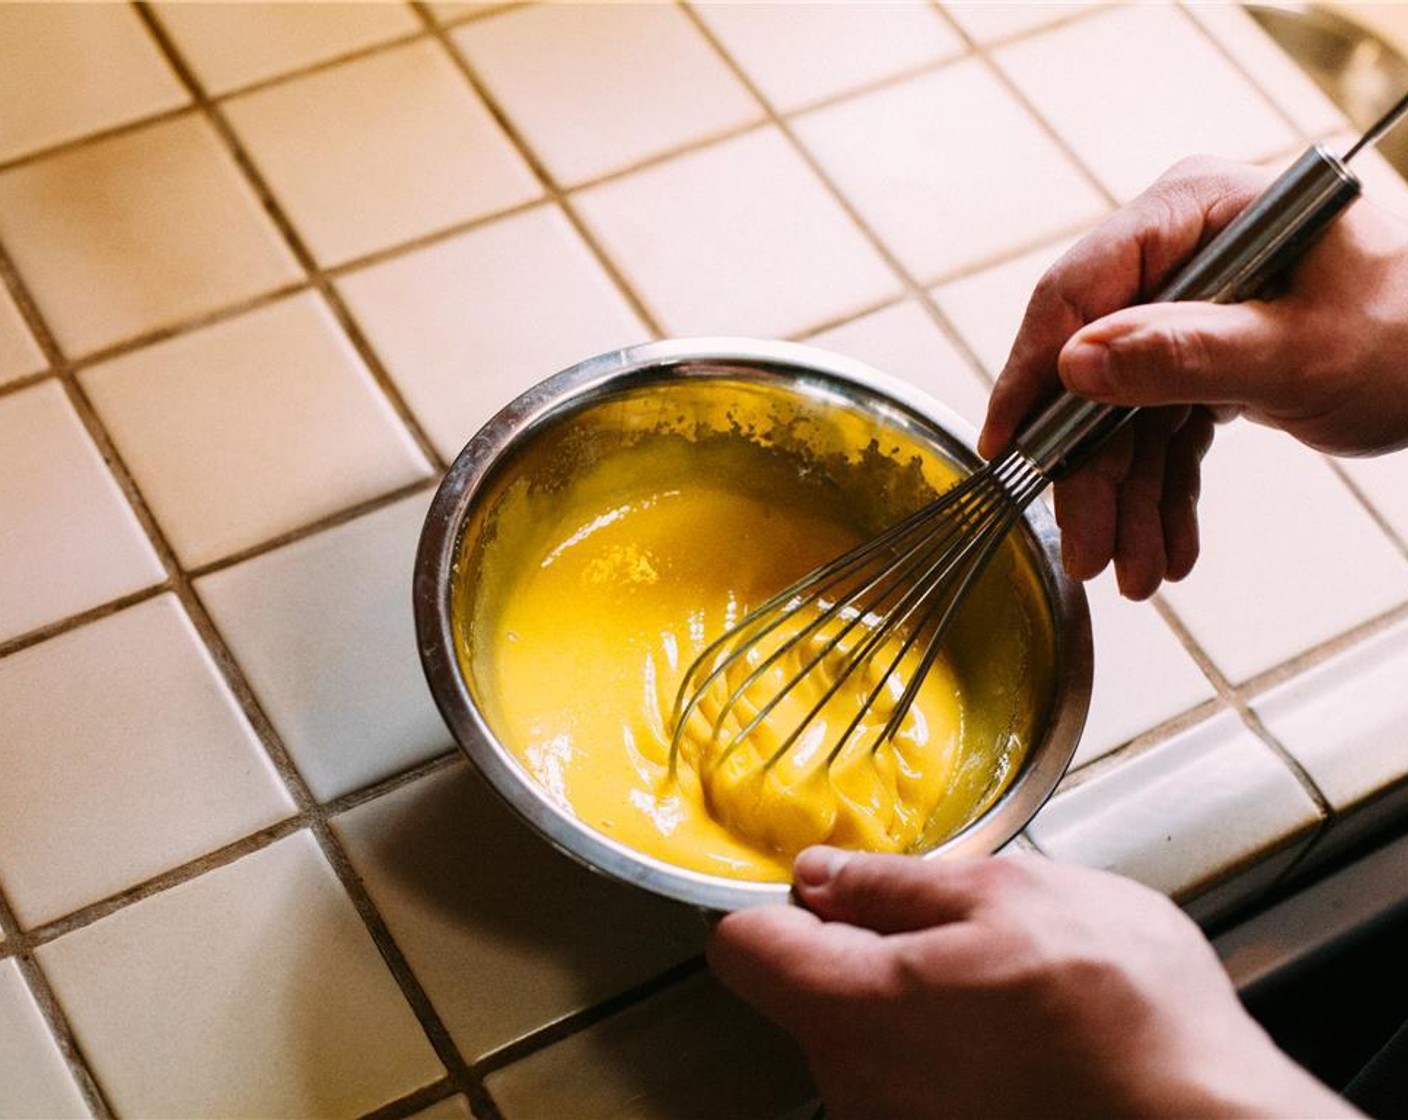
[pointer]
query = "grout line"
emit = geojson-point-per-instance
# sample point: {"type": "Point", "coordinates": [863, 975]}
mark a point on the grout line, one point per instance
{"type": "Point", "coordinates": [83, 618]}
{"type": "Point", "coordinates": [414, 1102]}
{"type": "Point", "coordinates": [1141, 744]}
{"type": "Point", "coordinates": [16, 946]}
{"type": "Point", "coordinates": [1363, 499]}
{"type": "Point", "coordinates": [94, 139]}
{"type": "Point", "coordinates": [578, 1021]}
{"type": "Point", "coordinates": [554, 190]}
{"type": "Point", "coordinates": [313, 528]}
{"type": "Point", "coordinates": [163, 881]}
{"type": "Point", "coordinates": [1236, 699]}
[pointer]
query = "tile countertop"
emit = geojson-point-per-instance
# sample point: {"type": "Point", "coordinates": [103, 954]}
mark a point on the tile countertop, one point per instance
{"type": "Point", "coordinates": [263, 269]}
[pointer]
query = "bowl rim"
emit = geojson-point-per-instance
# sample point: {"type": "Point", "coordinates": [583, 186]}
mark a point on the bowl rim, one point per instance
{"type": "Point", "coordinates": [576, 388]}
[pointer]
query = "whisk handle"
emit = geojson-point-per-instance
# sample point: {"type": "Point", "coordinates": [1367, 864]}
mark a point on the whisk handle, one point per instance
{"type": "Point", "coordinates": [1248, 258]}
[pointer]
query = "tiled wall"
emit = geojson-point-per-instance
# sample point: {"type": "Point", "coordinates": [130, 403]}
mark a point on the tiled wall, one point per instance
{"type": "Point", "coordinates": [264, 269]}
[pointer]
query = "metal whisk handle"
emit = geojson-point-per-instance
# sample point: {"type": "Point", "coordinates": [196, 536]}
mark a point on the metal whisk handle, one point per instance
{"type": "Point", "coordinates": [1249, 256]}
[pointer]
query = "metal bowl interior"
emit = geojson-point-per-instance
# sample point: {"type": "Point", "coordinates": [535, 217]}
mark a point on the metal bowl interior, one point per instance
{"type": "Point", "coordinates": [824, 408]}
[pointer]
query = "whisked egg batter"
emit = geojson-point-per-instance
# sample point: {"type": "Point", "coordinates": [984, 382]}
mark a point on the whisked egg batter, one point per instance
{"type": "Point", "coordinates": [616, 582]}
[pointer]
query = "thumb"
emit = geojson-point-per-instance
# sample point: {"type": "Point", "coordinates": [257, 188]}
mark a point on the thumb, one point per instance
{"type": "Point", "coordinates": [1182, 353]}
{"type": "Point", "coordinates": [884, 893]}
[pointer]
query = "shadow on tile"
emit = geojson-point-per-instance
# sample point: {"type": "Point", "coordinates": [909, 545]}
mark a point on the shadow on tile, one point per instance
{"type": "Point", "coordinates": [506, 934]}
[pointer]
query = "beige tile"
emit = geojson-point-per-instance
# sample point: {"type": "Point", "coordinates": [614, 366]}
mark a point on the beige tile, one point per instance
{"type": "Point", "coordinates": [458, 360]}
{"type": "Point", "coordinates": [67, 70]}
{"type": "Point", "coordinates": [689, 1053]}
{"type": "Point", "coordinates": [1270, 67]}
{"type": "Point", "coordinates": [1190, 812]}
{"type": "Point", "coordinates": [1343, 720]}
{"type": "Point", "coordinates": [19, 353]}
{"type": "Point", "coordinates": [506, 934]}
{"type": "Point", "coordinates": [138, 232]}
{"type": "Point", "coordinates": [1289, 558]}
{"type": "Point", "coordinates": [71, 541]}
{"type": "Point", "coordinates": [252, 427]}
{"type": "Point", "coordinates": [233, 45]}
{"type": "Point", "coordinates": [1136, 62]}
{"type": "Point", "coordinates": [253, 990]}
{"type": "Point", "coordinates": [987, 21]}
{"type": "Point", "coordinates": [404, 148]}
{"type": "Point", "coordinates": [1384, 482]}
{"type": "Point", "coordinates": [904, 341]}
{"type": "Point", "coordinates": [629, 81]}
{"type": "Point", "coordinates": [104, 787]}
{"type": "Point", "coordinates": [1143, 675]}
{"type": "Point", "coordinates": [34, 1079]}
{"type": "Point", "coordinates": [323, 631]}
{"type": "Point", "coordinates": [987, 307]}
{"type": "Point", "coordinates": [943, 166]}
{"type": "Point", "coordinates": [796, 53]}
{"type": "Point", "coordinates": [739, 238]}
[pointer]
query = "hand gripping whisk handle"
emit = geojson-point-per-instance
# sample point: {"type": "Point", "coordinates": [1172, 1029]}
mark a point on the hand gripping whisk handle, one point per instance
{"type": "Point", "coordinates": [1258, 248]}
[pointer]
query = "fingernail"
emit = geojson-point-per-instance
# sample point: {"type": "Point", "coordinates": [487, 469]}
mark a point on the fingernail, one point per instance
{"type": "Point", "coordinates": [1086, 368]}
{"type": "Point", "coordinates": [817, 866]}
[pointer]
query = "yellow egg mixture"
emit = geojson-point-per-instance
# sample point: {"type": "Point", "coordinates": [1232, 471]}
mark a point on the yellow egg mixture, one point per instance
{"type": "Point", "coordinates": [628, 574]}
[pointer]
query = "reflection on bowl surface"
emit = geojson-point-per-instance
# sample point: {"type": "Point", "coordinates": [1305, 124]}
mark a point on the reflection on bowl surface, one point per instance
{"type": "Point", "coordinates": [602, 544]}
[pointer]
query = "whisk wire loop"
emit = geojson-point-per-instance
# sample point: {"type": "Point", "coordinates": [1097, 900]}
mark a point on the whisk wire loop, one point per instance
{"type": "Point", "coordinates": [908, 580]}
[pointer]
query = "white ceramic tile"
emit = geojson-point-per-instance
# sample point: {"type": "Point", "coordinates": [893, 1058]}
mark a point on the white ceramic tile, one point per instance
{"type": "Point", "coordinates": [505, 933]}
{"type": "Point", "coordinates": [797, 53]}
{"type": "Point", "coordinates": [1186, 813]}
{"type": "Point", "coordinates": [987, 21]}
{"type": "Point", "coordinates": [34, 1079]}
{"type": "Point", "coordinates": [254, 990]}
{"type": "Point", "coordinates": [1273, 69]}
{"type": "Point", "coordinates": [67, 70]}
{"type": "Point", "coordinates": [233, 45]}
{"type": "Point", "coordinates": [1288, 559]}
{"type": "Point", "coordinates": [1384, 482]}
{"type": "Point", "coordinates": [138, 232]}
{"type": "Point", "coordinates": [1143, 675]}
{"type": "Point", "coordinates": [662, 1058]}
{"type": "Point", "coordinates": [629, 81]}
{"type": "Point", "coordinates": [71, 541]}
{"type": "Point", "coordinates": [1134, 63]}
{"type": "Point", "coordinates": [945, 168]}
{"type": "Point", "coordinates": [403, 148]}
{"type": "Point", "coordinates": [468, 323]}
{"type": "Point", "coordinates": [739, 238]}
{"type": "Point", "coordinates": [124, 755]}
{"type": "Point", "coordinates": [323, 630]}
{"type": "Point", "coordinates": [19, 353]}
{"type": "Point", "coordinates": [904, 341]}
{"type": "Point", "coordinates": [986, 307]}
{"type": "Point", "coordinates": [1346, 720]}
{"type": "Point", "coordinates": [252, 427]}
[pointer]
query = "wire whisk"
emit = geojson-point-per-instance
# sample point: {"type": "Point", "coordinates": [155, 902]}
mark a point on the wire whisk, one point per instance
{"type": "Point", "coordinates": [878, 616]}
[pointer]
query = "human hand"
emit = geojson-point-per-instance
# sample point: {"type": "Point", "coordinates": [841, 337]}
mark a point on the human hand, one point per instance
{"type": "Point", "coordinates": [1003, 987]}
{"type": "Point", "coordinates": [1323, 361]}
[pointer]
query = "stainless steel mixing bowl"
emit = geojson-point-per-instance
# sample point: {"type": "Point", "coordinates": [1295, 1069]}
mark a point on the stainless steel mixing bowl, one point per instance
{"type": "Point", "coordinates": [725, 384]}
